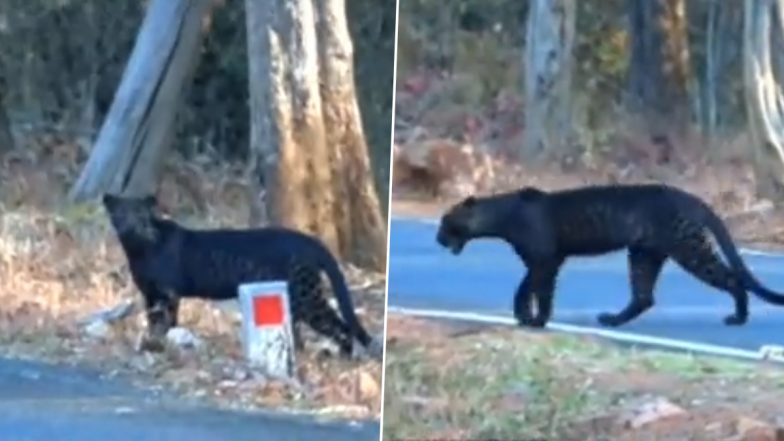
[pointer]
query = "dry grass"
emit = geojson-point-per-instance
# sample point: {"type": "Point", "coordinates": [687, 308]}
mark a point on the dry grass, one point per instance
{"type": "Point", "coordinates": [502, 383]}
{"type": "Point", "coordinates": [60, 263]}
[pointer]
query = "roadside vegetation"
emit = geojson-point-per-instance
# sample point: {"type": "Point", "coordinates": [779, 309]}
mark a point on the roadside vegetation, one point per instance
{"type": "Point", "coordinates": [447, 380]}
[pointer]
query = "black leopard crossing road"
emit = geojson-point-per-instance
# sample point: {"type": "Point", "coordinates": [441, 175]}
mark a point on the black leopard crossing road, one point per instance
{"type": "Point", "coordinates": [483, 280]}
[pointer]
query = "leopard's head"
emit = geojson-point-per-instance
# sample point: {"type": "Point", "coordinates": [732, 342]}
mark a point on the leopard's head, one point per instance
{"type": "Point", "coordinates": [494, 216]}
{"type": "Point", "coordinates": [132, 216]}
{"type": "Point", "coordinates": [462, 222]}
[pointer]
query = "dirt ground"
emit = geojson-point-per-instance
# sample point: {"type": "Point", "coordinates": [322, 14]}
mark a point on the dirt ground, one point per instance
{"type": "Point", "coordinates": [448, 380]}
{"type": "Point", "coordinates": [60, 263]}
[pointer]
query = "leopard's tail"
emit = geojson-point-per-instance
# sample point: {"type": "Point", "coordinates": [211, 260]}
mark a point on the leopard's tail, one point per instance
{"type": "Point", "coordinates": [723, 238]}
{"type": "Point", "coordinates": [345, 304]}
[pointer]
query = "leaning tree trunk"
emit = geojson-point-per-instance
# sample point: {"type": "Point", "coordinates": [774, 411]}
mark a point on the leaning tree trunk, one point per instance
{"type": "Point", "coordinates": [764, 100]}
{"type": "Point", "coordinates": [306, 135]}
{"type": "Point", "coordinates": [659, 69]}
{"type": "Point", "coordinates": [548, 72]}
{"type": "Point", "coordinates": [127, 154]}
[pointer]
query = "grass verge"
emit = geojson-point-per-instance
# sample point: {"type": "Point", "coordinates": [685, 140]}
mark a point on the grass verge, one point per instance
{"type": "Point", "coordinates": [444, 381]}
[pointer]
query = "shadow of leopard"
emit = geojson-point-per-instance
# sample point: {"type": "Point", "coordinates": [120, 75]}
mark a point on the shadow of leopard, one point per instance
{"type": "Point", "coordinates": [653, 222]}
{"type": "Point", "coordinates": [169, 262]}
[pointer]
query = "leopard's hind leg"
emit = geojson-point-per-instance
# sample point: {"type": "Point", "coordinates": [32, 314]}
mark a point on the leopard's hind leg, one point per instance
{"type": "Point", "coordinates": [696, 254]}
{"type": "Point", "coordinates": [645, 265]}
{"type": "Point", "coordinates": [308, 304]}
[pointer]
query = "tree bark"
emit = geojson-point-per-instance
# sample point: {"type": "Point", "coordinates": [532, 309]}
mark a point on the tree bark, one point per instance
{"type": "Point", "coordinates": [131, 143]}
{"type": "Point", "coordinates": [764, 100]}
{"type": "Point", "coordinates": [263, 151]}
{"type": "Point", "coordinates": [307, 142]}
{"type": "Point", "coordinates": [290, 138]}
{"type": "Point", "coordinates": [361, 227]}
{"type": "Point", "coordinates": [548, 60]}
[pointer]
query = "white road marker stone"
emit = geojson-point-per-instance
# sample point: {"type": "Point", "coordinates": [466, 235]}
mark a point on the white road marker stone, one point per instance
{"type": "Point", "coordinates": [266, 331]}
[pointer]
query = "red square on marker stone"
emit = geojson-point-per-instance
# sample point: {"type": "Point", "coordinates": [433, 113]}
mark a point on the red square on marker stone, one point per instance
{"type": "Point", "coordinates": [268, 310]}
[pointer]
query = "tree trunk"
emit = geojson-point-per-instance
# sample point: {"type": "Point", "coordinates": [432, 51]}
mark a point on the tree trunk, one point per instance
{"type": "Point", "coordinates": [372, 27]}
{"type": "Point", "coordinates": [306, 138]}
{"type": "Point", "coordinates": [548, 60]}
{"type": "Point", "coordinates": [263, 151]}
{"type": "Point", "coordinates": [659, 70]}
{"type": "Point", "coordinates": [713, 55]}
{"type": "Point", "coordinates": [6, 139]}
{"type": "Point", "coordinates": [127, 154]}
{"type": "Point", "coordinates": [361, 227]}
{"type": "Point", "coordinates": [288, 134]}
{"type": "Point", "coordinates": [764, 100]}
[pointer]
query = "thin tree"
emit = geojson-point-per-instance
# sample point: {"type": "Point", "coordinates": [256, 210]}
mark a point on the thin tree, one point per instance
{"type": "Point", "coordinates": [139, 126]}
{"type": "Point", "coordinates": [659, 69]}
{"type": "Point", "coordinates": [307, 142]}
{"type": "Point", "coordinates": [763, 93]}
{"type": "Point", "coordinates": [548, 64]}
{"type": "Point", "coordinates": [713, 56]}
{"type": "Point", "coordinates": [6, 139]}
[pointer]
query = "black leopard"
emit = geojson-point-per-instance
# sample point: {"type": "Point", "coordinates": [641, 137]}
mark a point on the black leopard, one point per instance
{"type": "Point", "coordinates": [169, 262]}
{"type": "Point", "coordinates": [654, 222]}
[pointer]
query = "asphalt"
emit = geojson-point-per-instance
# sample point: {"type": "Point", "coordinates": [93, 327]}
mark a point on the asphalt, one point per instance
{"type": "Point", "coordinates": [42, 402]}
{"type": "Point", "coordinates": [484, 277]}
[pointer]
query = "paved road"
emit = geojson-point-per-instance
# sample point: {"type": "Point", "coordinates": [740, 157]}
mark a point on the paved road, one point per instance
{"type": "Point", "coordinates": [53, 403]}
{"type": "Point", "coordinates": [484, 278]}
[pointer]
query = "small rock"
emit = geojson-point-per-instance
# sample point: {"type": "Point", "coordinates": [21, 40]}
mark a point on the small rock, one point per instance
{"type": "Point", "coordinates": [369, 388]}
{"type": "Point", "coordinates": [183, 338]}
{"type": "Point", "coordinates": [653, 412]}
{"type": "Point", "coordinates": [750, 429]}
{"type": "Point", "coordinates": [202, 375]}
{"type": "Point", "coordinates": [228, 384]}
{"type": "Point", "coordinates": [119, 312]}
{"type": "Point", "coordinates": [98, 329]}
{"type": "Point", "coordinates": [237, 374]}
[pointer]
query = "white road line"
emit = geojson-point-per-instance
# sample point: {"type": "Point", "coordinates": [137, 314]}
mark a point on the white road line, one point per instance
{"type": "Point", "coordinates": [766, 352]}
{"type": "Point", "coordinates": [433, 221]}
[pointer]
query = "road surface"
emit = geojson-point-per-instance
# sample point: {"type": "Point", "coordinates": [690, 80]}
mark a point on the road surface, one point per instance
{"type": "Point", "coordinates": [484, 277]}
{"type": "Point", "coordinates": [40, 402]}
